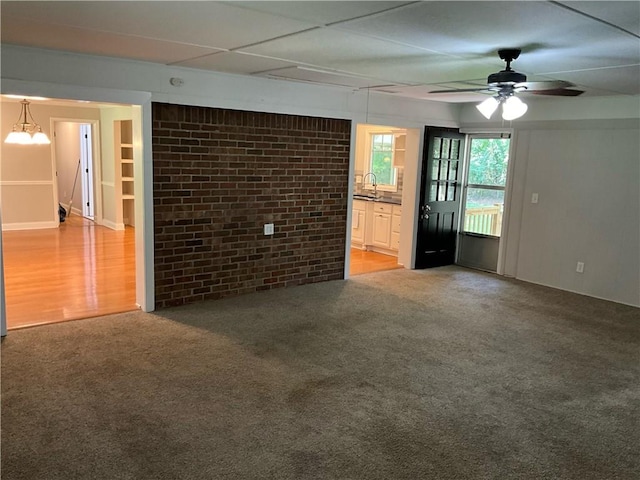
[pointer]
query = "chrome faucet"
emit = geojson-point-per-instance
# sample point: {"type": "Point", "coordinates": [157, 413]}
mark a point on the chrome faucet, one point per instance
{"type": "Point", "coordinates": [374, 184]}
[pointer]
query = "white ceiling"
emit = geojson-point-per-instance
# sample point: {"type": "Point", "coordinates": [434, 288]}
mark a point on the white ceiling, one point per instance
{"type": "Point", "coordinates": [400, 48]}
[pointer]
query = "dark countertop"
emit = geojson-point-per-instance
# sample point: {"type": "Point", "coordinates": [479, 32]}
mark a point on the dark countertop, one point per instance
{"type": "Point", "coordinates": [379, 200]}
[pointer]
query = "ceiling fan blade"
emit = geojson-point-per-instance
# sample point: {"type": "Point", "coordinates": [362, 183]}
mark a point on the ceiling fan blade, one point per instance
{"type": "Point", "coordinates": [558, 92]}
{"type": "Point", "coordinates": [546, 85]}
{"type": "Point", "coordinates": [458, 90]}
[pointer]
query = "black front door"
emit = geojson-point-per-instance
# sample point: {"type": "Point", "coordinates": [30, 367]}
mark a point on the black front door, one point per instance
{"type": "Point", "coordinates": [439, 197]}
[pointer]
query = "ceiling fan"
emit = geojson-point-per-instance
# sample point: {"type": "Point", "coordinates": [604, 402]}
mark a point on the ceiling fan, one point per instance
{"type": "Point", "coordinates": [506, 83]}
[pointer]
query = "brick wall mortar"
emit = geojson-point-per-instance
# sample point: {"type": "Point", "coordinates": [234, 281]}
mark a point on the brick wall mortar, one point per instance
{"type": "Point", "coordinates": [220, 175]}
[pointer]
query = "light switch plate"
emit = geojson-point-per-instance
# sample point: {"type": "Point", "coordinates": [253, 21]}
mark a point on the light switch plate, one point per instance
{"type": "Point", "coordinates": [268, 228]}
{"type": "Point", "coordinates": [534, 198]}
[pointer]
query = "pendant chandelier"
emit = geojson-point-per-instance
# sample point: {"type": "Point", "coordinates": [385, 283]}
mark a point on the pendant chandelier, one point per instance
{"type": "Point", "coordinates": [26, 131]}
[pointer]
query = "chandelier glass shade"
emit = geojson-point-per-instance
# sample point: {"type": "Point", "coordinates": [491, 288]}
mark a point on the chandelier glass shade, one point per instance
{"type": "Point", "coordinates": [26, 131]}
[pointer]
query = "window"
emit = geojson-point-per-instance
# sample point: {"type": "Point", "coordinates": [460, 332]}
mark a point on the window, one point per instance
{"type": "Point", "coordinates": [485, 186]}
{"type": "Point", "coordinates": [381, 160]}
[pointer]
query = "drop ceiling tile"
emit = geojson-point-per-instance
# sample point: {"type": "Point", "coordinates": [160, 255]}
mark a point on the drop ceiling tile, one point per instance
{"type": "Point", "coordinates": [623, 80]}
{"type": "Point", "coordinates": [425, 68]}
{"type": "Point", "coordinates": [313, 75]}
{"type": "Point", "coordinates": [481, 28]}
{"type": "Point", "coordinates": [210, 24]}
{"type": "Point", "coordinates": [234, 62]}
{"type": "Point", "coordinates": [22, 32]}
{"type": "Point", "coordinates": [424, 92]}
{"type": "Point", "coordinates": [613, 51]}
{"type": "Point", "coordinates": [625, 15]}
{"type": "Point", "coordinates": [320, 13]}
{"type": "Point", "coordinates": [334, 49]}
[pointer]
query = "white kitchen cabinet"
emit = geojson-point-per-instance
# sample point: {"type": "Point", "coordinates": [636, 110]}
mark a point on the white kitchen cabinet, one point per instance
{"type": "Point", "coordinates": [396, 217]}
{"type": "Point", "coordinates": [376, 226]}
{"type": "Point", "coordinates": [359, 223]}
{"type": "Point", "coordinates": [381, 234]}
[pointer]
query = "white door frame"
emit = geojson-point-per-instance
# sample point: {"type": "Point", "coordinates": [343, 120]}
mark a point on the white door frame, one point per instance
{"type": "Point", "coordinates": [145, 295]}
{"type": "Point", "coordinates": [87, 159]}
{"type": "Point", "coordinates": [95, 164]}
{"type": "Point", "coordinates": [470, 132]}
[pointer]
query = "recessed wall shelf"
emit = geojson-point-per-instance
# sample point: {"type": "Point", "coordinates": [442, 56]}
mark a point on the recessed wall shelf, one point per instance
{"type": "Point", "coordinates": [123, 134]}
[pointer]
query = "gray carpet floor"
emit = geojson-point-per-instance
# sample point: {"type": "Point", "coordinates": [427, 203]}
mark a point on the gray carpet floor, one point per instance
{"type": "Point", "coordinates": [445, 373]}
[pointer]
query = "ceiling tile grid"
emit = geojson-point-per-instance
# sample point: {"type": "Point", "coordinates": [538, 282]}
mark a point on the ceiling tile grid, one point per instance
{"type": "Point", "coordinates": [415, 46]}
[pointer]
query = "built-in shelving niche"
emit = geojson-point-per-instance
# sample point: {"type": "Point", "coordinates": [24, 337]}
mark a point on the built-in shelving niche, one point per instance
{"type": "Point", "coordinates": [123, 133]}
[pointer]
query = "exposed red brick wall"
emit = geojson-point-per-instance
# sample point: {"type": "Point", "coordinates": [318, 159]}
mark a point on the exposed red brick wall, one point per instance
{"type": "Point", "coordinates": [220, 175]}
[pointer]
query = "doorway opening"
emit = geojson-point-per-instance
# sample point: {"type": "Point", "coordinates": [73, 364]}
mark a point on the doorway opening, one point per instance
{"type": "Point", "coordinates": [379, 191]}
{"type": "Point", "coordinates": [482, 209]}
{"type": "Point", "coordinates": [74, 159]}
{"type": "Point", "coordinates": [462, 199]}
{"type": "Point", "coordinates": [84, 265]}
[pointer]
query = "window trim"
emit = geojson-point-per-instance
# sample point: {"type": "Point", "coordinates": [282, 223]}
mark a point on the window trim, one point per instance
{"type": "Point", "coordinates": [466, 185]}
{"type": "Point", "coordinates": [384, 187]}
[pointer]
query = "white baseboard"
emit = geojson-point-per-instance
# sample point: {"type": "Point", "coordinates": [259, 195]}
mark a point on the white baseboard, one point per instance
{"type": "Point", "coordinates": [29, 225]}
{"type": "Point", "coordinates": [112, 225]}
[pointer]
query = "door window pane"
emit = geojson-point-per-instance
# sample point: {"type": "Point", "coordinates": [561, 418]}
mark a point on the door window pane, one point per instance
{"type": "Point", "coordinates": [437, 144]}
{"type": "Point", "coordinates": [446, 143]}
{"type": "Point", "coordinates": [433, 192]}
{"type": "Point", "coordinates": [488, 160]}
{"type": "Point", "coordinates": [453, 171]}
{"type": "Point", "coordinates": [451, 192]}
{"type": "Point", "coordinates": [443, 170]}
{"type": "Point", "coordinates": [455, 149]}
{"type": "Point", "coordinates": [435, 169]}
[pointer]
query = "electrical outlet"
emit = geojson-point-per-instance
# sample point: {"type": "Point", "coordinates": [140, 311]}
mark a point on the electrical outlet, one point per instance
{"type": "Point", "coordinates": [534, 198]}
{"type": "Point", "coordinates": [580, 267]}
{"type": "Point", "coordinates": [268, 228]}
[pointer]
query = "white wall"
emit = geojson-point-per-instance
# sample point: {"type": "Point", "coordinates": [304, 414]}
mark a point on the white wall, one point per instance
{"type": "Point", "coordinates": [35, 66]}
{"type": "Point", "coordinates": [584, 163]}
{"type": "Point", "coordinates": [28, 195]}
{"type": "Point", "coordinates": [67, 148]}
{"type": "Point", "coordinates": [80, 77]}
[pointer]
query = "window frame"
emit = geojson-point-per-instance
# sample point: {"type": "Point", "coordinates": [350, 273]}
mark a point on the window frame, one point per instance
{"type": "Point", "coordinates": [466, 185]}
{"type": "Point", "coordinates": [385, 187]}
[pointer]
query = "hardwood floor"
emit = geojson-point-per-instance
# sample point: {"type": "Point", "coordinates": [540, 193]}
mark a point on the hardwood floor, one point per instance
{"type": "Point", "coordinates": [78, 270]}
{"type": "Point", "coordinates": [83, 270]}
{"type": "Point", "coordinates": [368, 262]}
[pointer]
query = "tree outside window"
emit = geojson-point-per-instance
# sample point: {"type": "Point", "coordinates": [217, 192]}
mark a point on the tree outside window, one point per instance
{"type": "Point", "coordinates": [486, 180]}
{"type": "Point", "coordinates": [382, 158]}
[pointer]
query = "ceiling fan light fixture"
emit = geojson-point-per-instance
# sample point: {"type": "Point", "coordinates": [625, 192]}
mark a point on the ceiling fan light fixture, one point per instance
{"type": "Point", "coordinates": [513, 108]}
{"type": "Point", "coordinates": [488, 106]}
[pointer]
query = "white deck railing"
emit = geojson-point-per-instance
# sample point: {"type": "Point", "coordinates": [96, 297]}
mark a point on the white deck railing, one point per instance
{"type": "Point", "coordinates": [484, 220]}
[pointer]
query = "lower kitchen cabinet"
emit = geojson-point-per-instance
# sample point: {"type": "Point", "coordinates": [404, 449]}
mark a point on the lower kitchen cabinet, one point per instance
{"type": "Point", "coordinates": [358, 222]}
{"type": "Point", "coordinates": [396, 217]}
{"type": "Point", "coordinates": [376, 226]}
{"type": "Point", "coordinates": [381, 235]}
